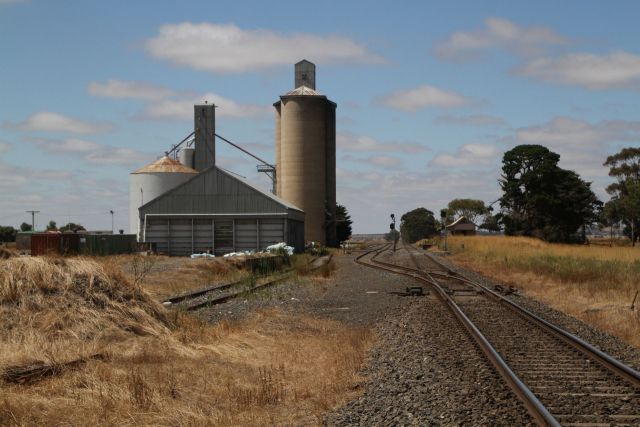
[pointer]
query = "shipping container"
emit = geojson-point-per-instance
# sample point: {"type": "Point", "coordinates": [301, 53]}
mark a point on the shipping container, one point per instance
{"type": "Point", "coordinates": [45, 243]}
{"type": "Point", "coordinates": [108, 244]}
{"type": "Point", "coordinates": [70, 243]}
{"type": "Point", "coordinates": [23, 241]}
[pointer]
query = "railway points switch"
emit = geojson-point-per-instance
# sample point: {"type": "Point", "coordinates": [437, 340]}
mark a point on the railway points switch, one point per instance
{"type": "Point", "coordinates": [415, 291]}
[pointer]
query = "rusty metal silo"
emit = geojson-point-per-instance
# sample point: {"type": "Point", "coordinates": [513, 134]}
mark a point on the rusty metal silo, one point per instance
{"type": "Point", "coordinates": [305, 154]}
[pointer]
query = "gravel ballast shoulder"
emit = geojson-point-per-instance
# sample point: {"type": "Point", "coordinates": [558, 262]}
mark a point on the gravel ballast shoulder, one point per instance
{"type": "Point", "coordinates": [425, 370]}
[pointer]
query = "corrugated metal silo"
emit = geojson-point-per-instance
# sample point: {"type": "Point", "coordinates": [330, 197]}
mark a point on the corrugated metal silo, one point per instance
{"type": "Point", "coordinates": [187, 157]}
{"type": "Point", "coordinates": [151, 181]}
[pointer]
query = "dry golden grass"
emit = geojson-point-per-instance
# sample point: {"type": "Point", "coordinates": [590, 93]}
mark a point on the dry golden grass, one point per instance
{"type": "Point", "coordinates": [593, 283]}
{"type": "Point", "coordinates": [161, 368]}
{"type": "Point", "coordinates": [7, 252]}
{"type": "Point", "coordinates": [163, 276]}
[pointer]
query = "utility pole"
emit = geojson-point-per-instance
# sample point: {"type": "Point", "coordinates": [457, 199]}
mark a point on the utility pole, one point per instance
{"type": "Point", "coordinates": [111, 212]}
{"type": "Point", "coordinates": [33, 219]}
{"type": "Point", "coordinates": [443, 217]}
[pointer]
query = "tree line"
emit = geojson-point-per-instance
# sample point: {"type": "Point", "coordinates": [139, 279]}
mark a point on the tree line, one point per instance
{"type": "Point", "coordinates": [541, 199]}
{"type": "Point", "coordinates": [9, 233]}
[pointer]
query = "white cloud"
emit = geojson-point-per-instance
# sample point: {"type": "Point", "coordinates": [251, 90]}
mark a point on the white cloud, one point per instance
{"type": "Point", "coordinates": [117, 156]}
{"type": "Point", "coordinates": [46, 121]}
{"type": "Point", "coordinates": [471, 120]}
{"type": "Point", "coordinates": [424, 96]}
{"type": "Point", "coordinates": [129, 89]}
{"type": "Point", "coordinates": [92, 152]}
{"type": "Point", "coordinates": [617, 70]}
{"type": "Point", "coordinates": [568, 132]}
{"type": "Point", "coordinates": [62, 196]}
{"type": "Point", "coordinates": [4, 147]}
{"type": "Point", "coordinates": [163, 103]}
{"type": "Point", "coordinates": [182, 109]}
{"type": "Point", "coordinates": [498, 33]}
{"type": "Point", "coordinates": [582, 146]}
{"type": "Point", "coordinates": [10, 178]}
{"type": "Point", "coordinates": [378, 161]}
{"type": "Point", "coordinates": [384, 161]}
{"type": "Point", "coordinates": [349, 142]}
{"type": "Point", "coordinates": [225, 48]}
{"type": "Point", "coordinates": [71, 145]}
{"type": "Point", "coordinates": [16, 178]}
{"type": "Point", "coordinates": [469, 155]}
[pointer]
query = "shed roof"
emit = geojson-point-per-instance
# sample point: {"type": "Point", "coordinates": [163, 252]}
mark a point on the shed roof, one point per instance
{"type": "Point", "coordinates": [166, 164]}
{"type": "Point", "coordinates": [264, 193]}
{"type": "Point", "coordinates": [216, 191]}
{"type": "Point", "coordinates": [460, 221]}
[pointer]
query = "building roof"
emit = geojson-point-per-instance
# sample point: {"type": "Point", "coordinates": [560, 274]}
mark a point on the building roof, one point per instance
{"type": "Point", "coordinates": [215, 191]}
{"type": "Point", "coordinates": [264, 193]}
{"type": "Point", "coordinates": [303, 91]}
{"type": "Point", "coordinates": [460, 221]}
{"type": "Point", "coordinates": [167, 165]}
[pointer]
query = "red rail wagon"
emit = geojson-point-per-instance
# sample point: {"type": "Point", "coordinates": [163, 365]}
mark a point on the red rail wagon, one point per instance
{"type": "Point", "coordinates": [45, 243]}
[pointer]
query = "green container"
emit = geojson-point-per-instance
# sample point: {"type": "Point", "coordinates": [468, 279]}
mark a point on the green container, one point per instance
{"type": "Point", "coordinates": [108, 244]}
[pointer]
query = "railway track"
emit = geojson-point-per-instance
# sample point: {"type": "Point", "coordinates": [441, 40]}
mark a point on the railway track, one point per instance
{"type": "Point", "coordinates": [560, 379]}
{"type": "Point", "coordinates": [219, 294]}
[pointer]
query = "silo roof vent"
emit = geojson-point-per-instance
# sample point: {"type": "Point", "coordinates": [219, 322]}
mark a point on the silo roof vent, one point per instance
{"type": "Point", "coordinates": [166, 164]}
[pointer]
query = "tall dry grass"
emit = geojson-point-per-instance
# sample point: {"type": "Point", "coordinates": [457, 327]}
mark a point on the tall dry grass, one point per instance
{"type": "Point", "coordinates": [596, 284]}
{"type": "Point", "coordinates": [161, 368]}
{"type": "Point", "coordinates": [163, 276]}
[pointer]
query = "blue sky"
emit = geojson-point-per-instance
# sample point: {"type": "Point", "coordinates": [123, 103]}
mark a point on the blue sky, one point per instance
{"type": "Point", "coordinates": [429, 94]}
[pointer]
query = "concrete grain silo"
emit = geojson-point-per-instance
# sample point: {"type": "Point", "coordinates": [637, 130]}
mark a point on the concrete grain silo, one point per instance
{"type": "Point", "coordinates": [306, 154]}
{"type": "Point", "coordinates": [151, 181]}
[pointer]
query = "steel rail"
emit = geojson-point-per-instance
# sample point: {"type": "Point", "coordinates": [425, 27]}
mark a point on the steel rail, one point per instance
{"type": "Point", "coordinates": [609, 362]}
{"type": "Point", "coordinates": [532, 404]}
{"type": "Point", "coordinates": [217, 287]}
{"type": "Point", "coordinates": [228, 297]}
{"type": "Point", "coordinates": [224, 298]}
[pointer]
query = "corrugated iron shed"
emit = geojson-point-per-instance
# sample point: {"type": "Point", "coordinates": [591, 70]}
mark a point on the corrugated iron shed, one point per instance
{"type": "Point", "coordinates": [217, 211]}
